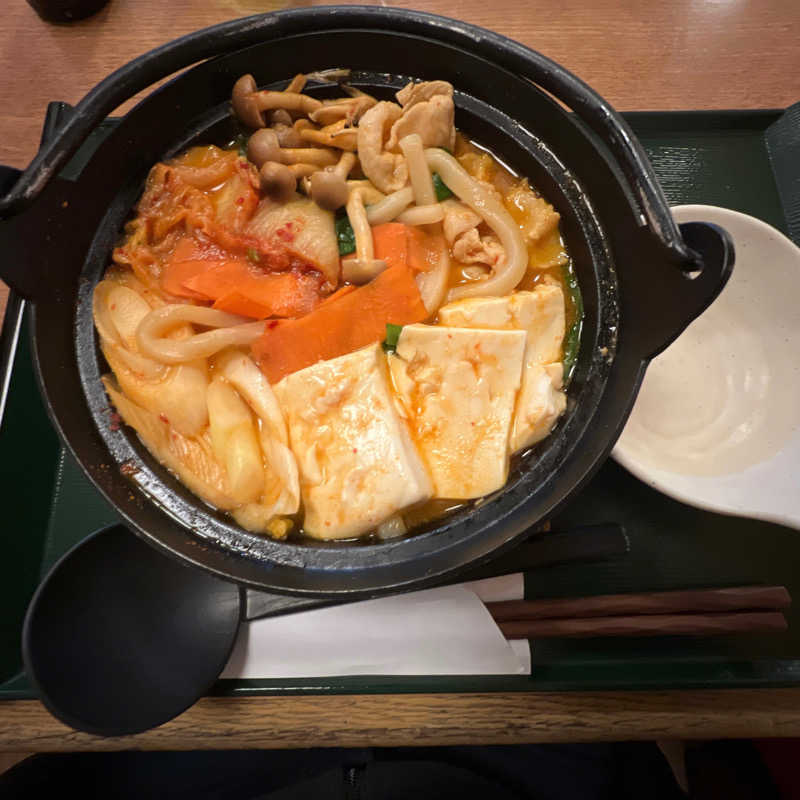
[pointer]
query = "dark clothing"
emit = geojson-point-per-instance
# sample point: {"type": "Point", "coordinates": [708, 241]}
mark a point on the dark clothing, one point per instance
{"type": "Point", "coordinates": [539, 772]}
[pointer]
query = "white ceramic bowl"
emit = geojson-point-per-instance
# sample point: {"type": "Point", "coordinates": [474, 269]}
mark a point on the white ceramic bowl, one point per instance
{"type": "Point", "coordinates": [717, 421]}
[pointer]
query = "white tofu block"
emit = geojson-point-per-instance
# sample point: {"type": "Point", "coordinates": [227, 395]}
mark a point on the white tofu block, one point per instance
{"type": "Point", "coordinates": [357, 461]}
{"type": "Point", "coordinates": [540, 313]}
{"type": "Point", "coordinates": [540, 403]}
{"type": "Point", "coordinates": [459, 387]}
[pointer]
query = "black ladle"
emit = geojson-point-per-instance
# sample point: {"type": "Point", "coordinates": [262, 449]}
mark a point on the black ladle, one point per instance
{"type": "Point", "coordinates": [120, 638]}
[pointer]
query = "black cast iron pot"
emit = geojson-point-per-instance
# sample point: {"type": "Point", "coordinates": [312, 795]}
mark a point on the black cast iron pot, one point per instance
{"type": "Point", "coordinates": [642, 279]}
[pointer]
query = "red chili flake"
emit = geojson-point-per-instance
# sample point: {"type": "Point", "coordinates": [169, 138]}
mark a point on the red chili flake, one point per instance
{"type": "Point", "coordinates": [240, 201]}
{"type": "Point", "coordinates": [273, 323]}
{"type": "Point", "coordinates": [164, 418]}
{"type": "Point", "coordinates": [355, 449]}
{"type": "Point", "coordinates": [285, 233]}
{"type": "Point", "coordinates": [113, 306]}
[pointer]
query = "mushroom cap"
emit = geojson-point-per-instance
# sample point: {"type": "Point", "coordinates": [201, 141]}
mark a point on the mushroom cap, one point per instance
{"type": "Point", "coordinates": [264, 146]}
{"type": "Point", "coordinates": [329, 190]}
{"type": "Point", "coordinates": [244, 103]}
{"type": "Point", "coordinates": [280, 116]}
{"type": "Point", "coordinates": [287, 135]}
{"type": "Point", "coordinates": [277, 181]}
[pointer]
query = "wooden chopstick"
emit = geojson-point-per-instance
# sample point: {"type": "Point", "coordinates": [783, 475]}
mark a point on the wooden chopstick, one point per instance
{"type": "Point", "coordinates": [646, 625]}
{"type": "Point", "coordinates": [740, 598]}
{"type": "Point", "coordinates": [695, 612]}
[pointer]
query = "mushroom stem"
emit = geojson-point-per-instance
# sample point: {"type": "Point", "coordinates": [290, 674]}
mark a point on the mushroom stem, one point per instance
{"type": "Point", "coordinates": [357, 214]}
{"type": "Point", "coordinates": [364, 267]}
{"type": "Point", "coordinates": [308, 155]}
{"type": "Point", "coordinates": [369, 193]}
{"type": "Point", "coordinates": [348, 109]}
{"type": "Point", "coordinates": [303, 170]}
{"type": "Point", "coordinates": [267, 100]}
{"type": "Point", "coordinates": [335, 135]}
{"type": "Point", "coordinates": [346, 162]}
{"type": "Point", "coordinates": [297, 84]}
{"type": "Point", "coordinates": [264, 145]}
{"type": "Point", "coordinates": [328, 188]}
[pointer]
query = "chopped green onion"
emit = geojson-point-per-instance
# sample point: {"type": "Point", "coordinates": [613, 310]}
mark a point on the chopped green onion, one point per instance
{"type": "Point", "coordinates": [392, 335]}
{"type": "Point", "coordinates": [344, 235]}
{"type": "Point", "coordinates": [440, 187]}
{"type": "Point", "coordinates": [572, 341]}
{"type": "Point", "coordinates": [253, 255]}
{"type": "Point", "coordinates": [240, 143]}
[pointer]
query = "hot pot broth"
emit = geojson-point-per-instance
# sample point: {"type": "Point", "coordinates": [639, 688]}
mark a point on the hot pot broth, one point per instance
{"type": "Point", "coordinates": [347, 329]}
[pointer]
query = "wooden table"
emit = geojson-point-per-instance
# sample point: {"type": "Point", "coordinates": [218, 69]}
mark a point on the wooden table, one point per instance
{"type": "Point", "coordinates": [649, 56]}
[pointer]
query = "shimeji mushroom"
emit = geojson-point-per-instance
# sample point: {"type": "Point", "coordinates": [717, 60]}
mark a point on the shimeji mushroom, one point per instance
{"type": "Point", "coordinates": [281, 122]}
{"type": "Point", "coordinates": [346, 109]}
{"type": "Point", "coordinates": [335, 135]}
{"type": "Point", "coordinates": [264, 146]}
{"type": "Point", "coordinates": [278, 181]}
{"type": "Point", "coordinates": [249, 104]}
{"type": "Point", "coordinates": [364, 267]}
{"type": "Point", "coordinates": [328, 188]}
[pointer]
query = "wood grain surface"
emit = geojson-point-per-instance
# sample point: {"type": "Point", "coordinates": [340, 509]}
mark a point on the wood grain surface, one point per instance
{"type": "Point", "coordinates": [640, 55]}
{"type": "Point", "coordinates": [428, 719]}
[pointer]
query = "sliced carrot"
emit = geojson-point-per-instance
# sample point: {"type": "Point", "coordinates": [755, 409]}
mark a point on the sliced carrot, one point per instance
{"type": "Point", "coordinates": [235, 302]}
{"type": "Point", "coordinates": [185, 263]}
{"type": "Point", "coordinates": [218, 278]}
{"type": "Point", "coordinates": [339, 293]}
{"type": "Point", "coordinates": [396, 243]}
{"type": "Point", "coordinates": [390, 242]}
{"type": "Point", "coordinates": [233, 285]}
{"type": "Point", "coordinates": [280, 294]}
{"type": "Point", "coordinates": [353, 320]}
{"type": "Point", "coordinates": [424, 249]}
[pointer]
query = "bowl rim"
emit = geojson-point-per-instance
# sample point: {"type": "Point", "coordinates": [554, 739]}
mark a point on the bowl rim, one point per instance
{"type": "Point", "coordinates": [695, 493]}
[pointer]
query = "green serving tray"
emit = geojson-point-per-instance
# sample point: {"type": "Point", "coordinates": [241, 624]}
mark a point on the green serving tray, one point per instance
{"type": "Point", "coordinates": [719, 158]}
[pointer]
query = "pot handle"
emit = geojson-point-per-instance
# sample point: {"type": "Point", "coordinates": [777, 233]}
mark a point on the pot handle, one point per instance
{"type": "Point", "coordinates": [164, 61]}
{"type": "Point", "coordinates": [675, 297]}
{"type": "Point", "coordinates": [143, 72]}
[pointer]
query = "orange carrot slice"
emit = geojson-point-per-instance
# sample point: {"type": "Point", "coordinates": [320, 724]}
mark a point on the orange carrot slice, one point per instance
{"type": "Point", "coordinates": [186, 262]}
{"type": "Point", "coordinates": [390, 242]}
{"type": "Point", "coordinates": [353, 320]}
{"type": "Point", "coordinates": [339, 293]}
{"type": "Point", "coordinates": [235, 286]}
{"type": "Point", "coordinates": [424, 249]}
{"type": "Point", "coordinates": [280, 294]}
{"type": "Point", "coordinates": [218, 278]}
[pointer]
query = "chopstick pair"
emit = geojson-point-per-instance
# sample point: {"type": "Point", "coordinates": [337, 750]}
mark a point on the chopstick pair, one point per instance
{"type": "Point", "coordinates": [700, 612]}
